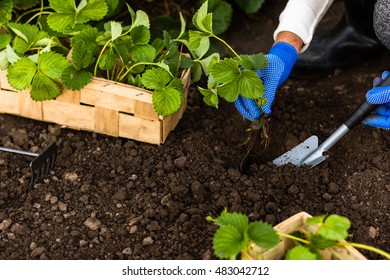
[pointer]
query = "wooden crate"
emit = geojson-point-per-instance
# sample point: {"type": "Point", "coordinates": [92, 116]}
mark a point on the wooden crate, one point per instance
{"type": "Point", "coordinates": [102, 106]}
{"type": "Point", "coordinates": [290, 225]}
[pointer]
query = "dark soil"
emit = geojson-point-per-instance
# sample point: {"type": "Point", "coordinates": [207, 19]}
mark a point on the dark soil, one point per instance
{"type": "Point", "coordinates": [110, 198]}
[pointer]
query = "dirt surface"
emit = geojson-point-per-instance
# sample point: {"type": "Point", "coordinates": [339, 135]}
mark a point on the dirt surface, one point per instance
{"type": "Point", "coordinates": [110, 198]}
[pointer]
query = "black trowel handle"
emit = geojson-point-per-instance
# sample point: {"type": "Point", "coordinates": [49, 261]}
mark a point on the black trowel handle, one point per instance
{"type": "Point", "coordinates": [364, 110]}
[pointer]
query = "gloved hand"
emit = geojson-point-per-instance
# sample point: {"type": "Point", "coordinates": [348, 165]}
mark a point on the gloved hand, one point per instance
{"type": "Point", "coordinates": [281, 59]}
{"type": "Point", "coordinates": [380, 95]}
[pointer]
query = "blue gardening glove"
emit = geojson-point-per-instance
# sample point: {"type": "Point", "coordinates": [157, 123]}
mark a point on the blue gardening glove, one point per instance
{"type": "Point", "coordinates": [379, 95]}
{"type": "Point", "coordinates": [281, 59]}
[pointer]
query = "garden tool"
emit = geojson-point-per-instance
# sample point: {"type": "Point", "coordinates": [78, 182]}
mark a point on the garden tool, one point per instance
{"type": "Point", "coordinates": [308, 153]}
{"type": "Point", "coordinates": [41, 165]}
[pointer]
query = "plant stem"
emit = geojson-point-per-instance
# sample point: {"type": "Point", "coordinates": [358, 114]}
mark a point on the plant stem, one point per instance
{"type": "Point", "coordinates": [292, 237]}
{"type": "Point", "coordinates": [136, 64]}
{"type": "Point", "coordinates": [227, 45]}
{"type": "Point", "coordinates": [38, 15]}
{"type": "Point", "coordinates": [365, 247]}
{"type": "Point", "coordinates": [40, 10]}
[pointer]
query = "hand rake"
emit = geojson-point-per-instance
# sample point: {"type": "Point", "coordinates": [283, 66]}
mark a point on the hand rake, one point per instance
{"type": "Point", "coordinates": [41, 165]}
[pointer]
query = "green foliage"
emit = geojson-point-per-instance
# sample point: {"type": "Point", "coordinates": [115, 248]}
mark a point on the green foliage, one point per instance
{"type": "Point", "coordinates": [236, 233]}
{"type": "Point", "coordinates": [249, 6]}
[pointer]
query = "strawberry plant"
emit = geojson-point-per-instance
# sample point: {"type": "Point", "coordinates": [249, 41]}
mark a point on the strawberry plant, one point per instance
{"type": "Point", "coordinates": [235, 233]}
{"type": "Point", "coordinates": [66, 43]}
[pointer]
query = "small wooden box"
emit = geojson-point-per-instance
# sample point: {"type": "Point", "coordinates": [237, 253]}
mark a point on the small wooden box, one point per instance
{"type": "Point", "coordinates": [294, 223]}
{"type": "Point", "coordinates": [103, 106]}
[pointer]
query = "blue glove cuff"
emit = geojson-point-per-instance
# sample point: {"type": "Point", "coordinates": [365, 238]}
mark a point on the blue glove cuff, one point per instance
{"type": "Point", "coordinates": [288, 54]}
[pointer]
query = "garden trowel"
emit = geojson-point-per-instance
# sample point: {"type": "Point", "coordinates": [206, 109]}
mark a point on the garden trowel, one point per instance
{"type": "Point", "coordinates": [308, 153]}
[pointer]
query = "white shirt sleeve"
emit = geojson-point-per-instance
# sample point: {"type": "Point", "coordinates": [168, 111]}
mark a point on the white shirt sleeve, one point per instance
{"type": "Point", "coordinates": [301, 17]}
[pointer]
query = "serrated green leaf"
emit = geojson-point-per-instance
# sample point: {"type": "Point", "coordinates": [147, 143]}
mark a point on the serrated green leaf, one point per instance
{"type": "Point", "coordinates": [12, 57]}
{"type": "Point", "coordinates": [21, 73]}
{"type": "Point", "coordinates": [237, 220]}
{"type": "Point", "coordinates": [208, 62]}
{"type": "Point", "coordinates": [94, 10]}
{"type": "Point", "coordinates": [113, 6]}
{"type": "Point", "coordinates": [196, 72]}
{"type": "Point", "coordinates": [134, 81]}
{"type": "Point", "coordinates": [183, 26]}
{"type": "Point", "coordinates": [20, 45]}
{"type": "Point", "coordinates": [141, 19]}
{"type": "Point", "coordinates": [155, 78]}
{"type": "Point", "coordinates": [167, 100]}
{"type": "Point", "coordinates": [140, 35]}
{"type": "Point", "coordinates": [108, 59]}
{"type": "Point", "coordinates": [225, 70]}
{"type": "Point", "coordinates": [63, 6]}
{"type": "Point", "coordinates": [5, 11]}
{"type": "Point", "coordinates": [3, 60]}
{"type": "Point", "coordinates": [27, 32]}
{"type": "Point", "coordinates": [199, 43]}
{"type": "Point", "coordinates": [143, 53]}
{"type": "Point", "coordinates": [335, 227]}
{"type": "Point", "coordinates": [300, 253]}
{"type": "Point", "coordinates": [222, 15]}
{"type": "Point", "coordinates": [5, 39]}
{"type": "Point", "coordinates": [52, 64]}
{"type": "Point", "coordinates": [59, 22]}
{"type": "Point", "coordinates": [230, 91]}
{"type": "Point", "coordinates": [263, 235]}
{"type": "Point", "coordinates": [121, 48]}
{"type": "Point", "coordinates": [43, 88]}
{"type": "Point", "coordinates": [228, 242]}
{"type": "Point", "coordinates": [74, 79]}
{"type": "Point", "coordinates": [202, 20]}
{"type": "Point", "coordinates": [320, 242]}
{"type": "Point", "coordinates": [250, 85]}
{"type": "Point", "coordinates": [82, 55]}
{"type": "Point", "coordinates": [254, 61]}
{"type": "Point", "coordinates": [43, 39]}
{"type": "Point", "coordinates": [210, 96]}
{"type": "Point", "coordinates": [116, 30]}
{"type": "Point", "coordinates": [315, 220]}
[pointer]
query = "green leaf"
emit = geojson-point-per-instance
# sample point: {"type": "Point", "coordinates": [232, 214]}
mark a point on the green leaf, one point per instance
{"type": "Point", "coordinates": [222, 15]}
{"type": "Point", "coordinates": [250, 6]}
{"type": "Point", "coordinates": [5, 39]}
{"type": "Point", "coordinates": [21, 73]}
{"type": "Point", "coordinates": [140, 35]}
{"type": "Point", "coordinates": [155, 78]}
{"type": "Point", "coordinates": [250, 85]}
{"type": "Point", "coordinates": [43, 88]}
{"type": "Point", "coordinates": [94, 10]}
{"type": "Point", "coordinates": [82, 55]}
{"type": "Point", "coordinates": [138, 18]}
{"type": "Point", "coordinates": [321, 242]}
{"type": "Point", "coordinates": [20, 45]}
{"type": "Point", "coordinates": [3, 60]}
{"type": "Point", "coordinates": [263, 235]}
{"type": "Point", "coordinates": [230, 91]}
{"type": "Point", "coordinates": [25, 4]}
{"type": "Point", "coordinates": [74, 79]}
{"type": "Point", "coordinates": [315, 220]}
{"type": "Point", "coordinates": [254, 61]}
{"type": "Point", "coordinates": [335, 227]}
{"type": "Point", "coordinates": [199, 43]}
{"type": "Point", "coordinates": [116, 30]}
{"type": "Point", "coordinates": [5, 11]}
{"type": "Point", "coordinates": [167, 100]}
{"type": "Point", "coordinates": [63, 6]}
{"type": "Point", "coordinates": [107, 60]}
{"type": "Point", "coordinates": [300, 253]}
{"type": "Point", "coordinates": [52, 64]}
{"type": "Point", "coordinates": [27, 32]}
{"type": "Point", "coordinates": [59, 22]}
{"type": "Point", "coordinates": [113, 6]}
{"type": "Point", "coordinates": [228, 242]}
{"type": "Point", "coordinates": [143, 53]}
{"type": "Point", "coordinates": [202, 20]}
{"type": "Point", "coordinates": [208, 62]}
{"type": "Point", "coordinates": [183, 26]}
{"type": "Point", "coordinates": [12, 57]}
{"type": "Point", "coordinates": [225, 70]}
{"type": "Point", "coordinates": [237, 220]}
{"type": "Point", "coordinates": [210, 96]}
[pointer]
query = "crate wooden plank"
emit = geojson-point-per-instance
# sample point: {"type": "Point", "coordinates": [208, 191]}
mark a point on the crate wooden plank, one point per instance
{"type": "Point", "coordinates": [148, 131]}
{"type": "Point", "coordinates": [106, 121]}
{"type": "Point", "coordinates": [145, 111]}
{"type": "Point", "coordinates": [29, 108]}
{"type": "Point", "coordinates": [71, 115]}
{"type": "Point", "coordinates": [9, 102]}
{"type": "Point", "coordinates": [107, 100]}
{"type": "Point", "coordinates": [119, 89]}
{"type": "Point", "coordinates": [69, 96]}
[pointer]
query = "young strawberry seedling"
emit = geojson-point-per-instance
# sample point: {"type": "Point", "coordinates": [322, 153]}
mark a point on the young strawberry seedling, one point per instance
{"type": "Point", "coordinates": [236, 233]}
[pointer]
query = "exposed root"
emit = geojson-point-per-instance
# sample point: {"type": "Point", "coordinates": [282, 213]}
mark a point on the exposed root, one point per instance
{"type": "Point", "coordinates": [258, 136]}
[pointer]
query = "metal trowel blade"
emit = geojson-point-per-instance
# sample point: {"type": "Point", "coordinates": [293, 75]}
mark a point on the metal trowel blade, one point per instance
{"type": "Point", "coordinates": [299, 153]}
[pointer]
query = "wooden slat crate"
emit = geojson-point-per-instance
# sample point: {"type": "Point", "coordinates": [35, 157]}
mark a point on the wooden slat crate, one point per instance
{"type": "Point", "coordinates": [294, 223]}
{"type": "Point", "coordinates": [102, 106]}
